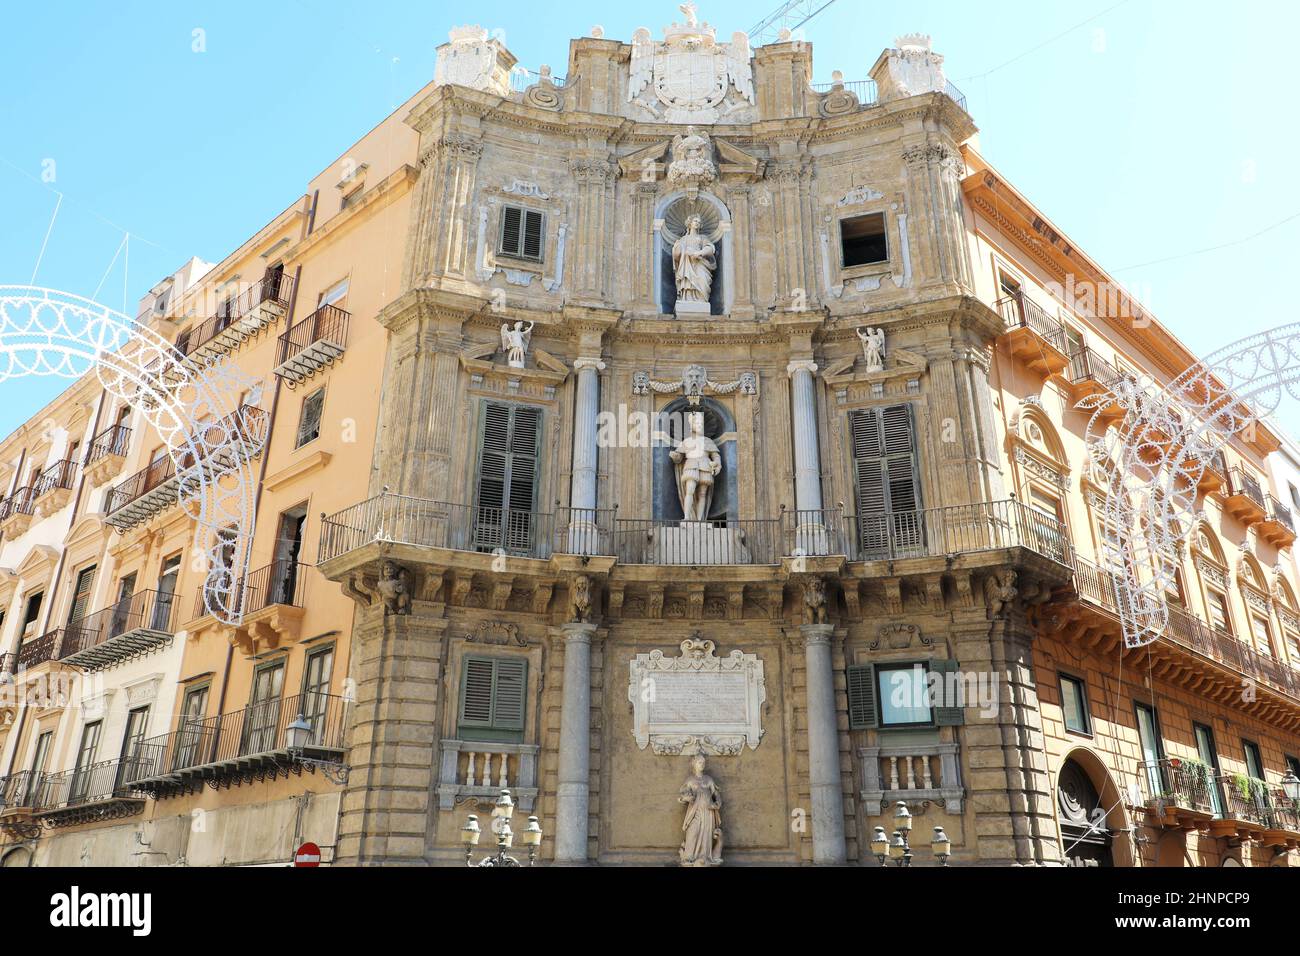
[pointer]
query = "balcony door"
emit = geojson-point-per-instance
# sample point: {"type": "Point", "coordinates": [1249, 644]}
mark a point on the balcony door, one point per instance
{"type": "Point", "coordinates": [315, 692]}
{"type": "Point", "coordinates": [282, 581]}
{"type": "Point", "coordinates": [128, 767]}
{"type": "Point", "coordinates": [166, 596]}
{"type": "Point", "coordinates": [39, 759]}
{"type": "Point", "coordinates": [262, 719]}
{"type": "Point", "coordinates": [191, 735]}
{"type": "Point", "coordinates": [508, 473]}
{"type": "Point", "coordinates": [1209, 755]}
{"type": "Point", "coordinates": [85, 583]}
{"type": "Point", "coordinates": [122, 608]}
{"type": "Point", "coordinates": [81, 772]}
{"type": "Point", "coordinates": [1153, 748]}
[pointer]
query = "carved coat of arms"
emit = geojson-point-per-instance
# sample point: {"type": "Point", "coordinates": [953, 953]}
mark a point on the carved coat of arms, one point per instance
{"type": "Point", "coordinates": [687, 77]}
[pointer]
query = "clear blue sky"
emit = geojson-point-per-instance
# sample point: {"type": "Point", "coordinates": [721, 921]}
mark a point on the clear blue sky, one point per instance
{"type": "Point", "coordinates": [1149, 130]}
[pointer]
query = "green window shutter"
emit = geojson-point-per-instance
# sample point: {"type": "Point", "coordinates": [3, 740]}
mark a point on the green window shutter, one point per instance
{"type": "Point", "coordinates": [885, 467]}
{"type": "Point", "coordinates": [948, 712]}
{"type": "Point", "coordinates": [532, 241]}
{"type": "Point", "coordinates": [509, 695]}
{"type": "Point", "coordinates": [511, 230]}
{"type": "Point", "coordinates": [861, 679]}
{"type": "Point", "coordinates": [493, 698]}
{"type": "Point", "coordinates": [309, 423]}
{"type": "Point", "coordinates": [509, 465]}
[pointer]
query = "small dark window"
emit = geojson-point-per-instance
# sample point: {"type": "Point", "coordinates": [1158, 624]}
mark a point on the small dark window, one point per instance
{"type": "Point", "coordinates": [309, 419]}
{"type": "Point", "coordinates": [521, 233]}
{"type": "Point", "coordinates": [33, 609]}
{"type": "Point", "coordinates": [862, 240]}
{"type": "Point", "coordinates": [351, 198]}
{"type": "Point", "coordinates": [1074, 704]}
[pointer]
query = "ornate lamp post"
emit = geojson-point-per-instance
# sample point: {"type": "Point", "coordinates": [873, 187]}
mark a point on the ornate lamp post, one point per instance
{"type": "Point", "coordinates": [531, 836]}
{"type": "Point", "coordinates": [1291, 786]}
{"type": "Point", "coordinates": [298, 737]}
{"type": "Point", "coordinates": [897, 847]}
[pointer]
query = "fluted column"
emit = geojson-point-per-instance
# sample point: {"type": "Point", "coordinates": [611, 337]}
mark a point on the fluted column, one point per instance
{"type": "Point", "coordinates": [572, 791]}
{"type": "Point", "coordinates": [807, 460]}
{"type": "Point", "coordinates": [824, 781]}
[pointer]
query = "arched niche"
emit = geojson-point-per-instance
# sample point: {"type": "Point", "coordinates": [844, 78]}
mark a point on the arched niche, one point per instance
{"type": "Point", "coordinates": [719, 425]}
{"type": "Point", "coordinates": [671, 213]}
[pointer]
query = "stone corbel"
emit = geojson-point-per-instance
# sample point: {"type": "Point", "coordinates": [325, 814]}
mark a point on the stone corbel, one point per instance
{"type": "Point", "coordinates": [615, 601]}
{"type": "Point", "coordinates": [542, 596]}
{"type": "Point", "coordinates": [502, 585]}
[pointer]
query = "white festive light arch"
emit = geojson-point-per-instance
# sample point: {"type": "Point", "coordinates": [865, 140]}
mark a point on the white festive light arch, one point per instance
{"type": "Point", "coordinates": [1155, 458]}
{"type": "Point", "coordinates": [196, 410]}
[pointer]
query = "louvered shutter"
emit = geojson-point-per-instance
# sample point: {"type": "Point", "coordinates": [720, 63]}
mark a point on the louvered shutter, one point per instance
{"type": "Point", "coordinates": [512, 230]}
{"type": "Point", "coordinates": [948, 711]}
{"type": "Point", "coordinates": [532, 247]}
{"type": "Point", "coordinates": [861, 682]}
{"type": "Point", "coordinates": [509, 449]}
{"type": "Point", "coordinates": [309, 424]}
{"type": "Point", "coordinates": [889, 499]}
{"type": "Point", "coordinates": [476, 693]}
{"type": "Point", "coordinates": [81, 596]}
{"type": "Point", "coordinates": [509, 695]}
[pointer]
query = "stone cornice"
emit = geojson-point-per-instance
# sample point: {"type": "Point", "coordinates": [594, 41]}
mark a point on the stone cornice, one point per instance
{"type": "Point", "coordinates": [373, 200]}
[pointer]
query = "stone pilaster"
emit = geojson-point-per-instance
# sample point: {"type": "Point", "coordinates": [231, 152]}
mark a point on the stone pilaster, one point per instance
{"type": "Point", "coordinates": [824, 778]}
{"type": "Point", "coordinates": [1010, 791]}
{"type": "Point", "coordinates": [441, 249]}
{"type": "Point", "coordinates": [934, 205]}
{"type": "Point", "coordinates": [594, 175]}
{"type": "Point", "coordinates": [572, 799]}
{"type": "Point", "coordinates": [384, 817]}
{"type": "Point", "coordinates": [794, 282]}
{"type": "Point", "coordinates": [962, 430]}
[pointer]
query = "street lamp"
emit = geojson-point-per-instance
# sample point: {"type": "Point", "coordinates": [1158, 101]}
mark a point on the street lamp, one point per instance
{"type": "Point", "coordinates": [1291, 786]}
{"type": "Point", "coordinates": [898, 848]}
{"type": "Point", "coordinates": [531, 836]}
{"type": "Point", "coordinates": [298, 737]}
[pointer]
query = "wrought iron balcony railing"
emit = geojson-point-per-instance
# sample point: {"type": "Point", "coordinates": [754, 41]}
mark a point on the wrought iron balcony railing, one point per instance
{"type": "Point", "coordinates": [312, 344]}
{"type": "Point", "coordinates": [864, 90]}
{"type": "Point", "coordinates": [281, 582]}
{"type": "Point", "coordinates": [1246, 486]}
{"type": "Point", "coordinates": [1020, 311]}
{"type": "Point", "coordinates": [274, 289]}
{"type": "Point", "coordinates": [203, 749]}
{"type": "Point", "coordinates": [113, 440]}
{"type": "Point", "coordinates": [1086, 364]}
{"type": "Point", "coordinates": [60, 475]}
{"type": "Point", "coordinates": [1176, 784]}
{"type": "Point", "coordinates": [21, 502]}
{"type": "Point", "coordinates": [38, 650]}
{"type": "Point", "coordinates": [97, 783]}
{"type": "Point", "coordinates": [130, 628]}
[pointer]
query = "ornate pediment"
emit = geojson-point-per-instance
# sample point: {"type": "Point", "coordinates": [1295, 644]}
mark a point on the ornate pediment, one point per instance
{"type": "Point", "coordinates": [689, 77]}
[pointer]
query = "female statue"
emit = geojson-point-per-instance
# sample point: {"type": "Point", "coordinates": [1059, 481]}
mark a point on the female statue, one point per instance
{"type": "Point", "coordinates": [702, 843]}
{"type": "Point", "coordinates": [693, 263]}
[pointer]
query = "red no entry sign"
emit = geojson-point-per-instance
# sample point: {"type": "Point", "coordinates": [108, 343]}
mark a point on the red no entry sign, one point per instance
{"type": "Point", "coordinates": [307, 855]}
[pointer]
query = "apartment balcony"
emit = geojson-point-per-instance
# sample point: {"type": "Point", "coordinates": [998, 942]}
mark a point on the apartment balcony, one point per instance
{"type": "Point", "coordinates": [16, 513]}
{"type": "Point", "coordinates": [38, 650]}
{"type": "Point", "coordinates": [107, 454]}
{"type": "Point", "coordinates": [18, 794]}
{"type": "Point", "coordinates": [1033, 336]}
{"type": "Point", "coordinates": [479, 770]}
{"type": "Point", "coordinates": [1089, 374]}
{"type": "Point", "coordinates": [1215, 477]}
{"type": "Point", "coordinates": [1179, 794]}
{"type": "Point", "coordinates": [273, 599]}
{"type": "Point", "coordinates": [134, 627]}
{"type": "Point", "coordinates": [101, 791]}
{"type": "Point", "coordinates": [1244, 498]}
{"type": "Point", "coordinates": [257, 307]}
{"type": "Point", "coordinates": [312, 345]}
{"type": "Point", "coordinates": [1244, 809]}
{"type": "Point", "coordinates": [224, 444]}
{"type": "Point", "coordinates": [53, 490]}
{"type": "Point", "coordinates": [918, 773]}
{"type": "Point", "coordinates": [1277, 526]}
{"type": "Point", "coordinates": [1284, 820]}
{"type": "Point", "coordinates": [243, 746]}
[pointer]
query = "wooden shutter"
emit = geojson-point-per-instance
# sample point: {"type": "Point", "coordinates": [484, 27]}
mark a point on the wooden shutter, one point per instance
{"type": "Point", "coordinates": [493, 696]}
{"type": "Point", "coordinates": [948, 711]}
{"type": "Point", "coordinates": [309, 423]}
{"type": "Point", "coordinates": [509, 451]}
{"type": "Point", "coordinates": [532, 246]}
{"type": "Point", "coordinates": [861, 680]}
{"type": "Point", "coordinates": [81, 595]}
{"type": "Point", "coordinates": [512, 230]}
{"type": "Point", "coordinates": [889, 498]}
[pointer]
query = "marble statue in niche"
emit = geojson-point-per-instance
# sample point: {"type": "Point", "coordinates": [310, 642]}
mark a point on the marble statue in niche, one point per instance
{"type": "Point", "coordinates": [702, 825]}
{"type": "Point", "coordinates": [697, 462]}
{"type": "Point", "coordinates": [514, 342]}
{"type": "Point", "coordinates": [694, 261]}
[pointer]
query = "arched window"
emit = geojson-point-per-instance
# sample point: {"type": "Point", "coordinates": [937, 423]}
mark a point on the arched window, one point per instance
{"type": "Point", "coordinates": [1212, 571]}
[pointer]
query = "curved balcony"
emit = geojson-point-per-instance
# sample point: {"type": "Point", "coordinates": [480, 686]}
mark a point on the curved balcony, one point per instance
{"type": "Point", "coordinates": [1032, 335]}
{"type": "Point", "coordinates": [107, 454]}
{"type": "Point", "coordinates": [16, 513]}
{"type": "Point", "coordinates": [53, 490]}
{"type": "Point", "coordinates": [315, 343]}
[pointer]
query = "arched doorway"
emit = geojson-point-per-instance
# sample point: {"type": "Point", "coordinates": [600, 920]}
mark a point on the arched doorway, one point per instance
{"type": "Point", "coordinates": [16, 858]}
{"type": "Point", "coordinates": [1084, 830]}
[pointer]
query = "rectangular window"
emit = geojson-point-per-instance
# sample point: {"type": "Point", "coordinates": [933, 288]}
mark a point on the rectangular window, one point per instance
{"type": "Point", "coordinates": [81, 773]}
{"type": "Point", "coordinates": [1254, 760]}
{"type": "Point", "coordinates": [508, 473]}
{"type": "Point", "coordinates": [521, 233]}
{"type": "Point", "coordinates": [81, 594]}
{"type": "Point", "coordinates": [1263, 638]}
{"type": "Point", "coordinates": [309, 418]}
{"type": "Point", "coordinates": [903, 695]}
{"type": "Point", "coordinates": [351, 198]}
{"type": "Point", "coordinates": [863, 240]}
{"type": "Point", "coordinates": [493, 697]}
{"type": "Point", "coordinates": [1218, 607]}
{"type": "Point", "coordinates": [1073, 339]}
{"type": "Point", "coordinates": [317, 671]}
{"type": "Point", "coordinates": [1209, 754]}
{"type": "Point", "coordinates": [131, 766]}
{"type": "Point", "coordinates": [1074, 704]}
{"type": "Point", "coordinates": [885, 466]}
{"type": "Point", "coordinates": [335, 295]}
{"type": "Point", "coordinates": [32, 611]}
{"type": "Point", "coordinates": [1295, 495]}
{"type": "Point", "coordinates": [262, 718]}
{"type": "Point", "coordinates": [195, 734]}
